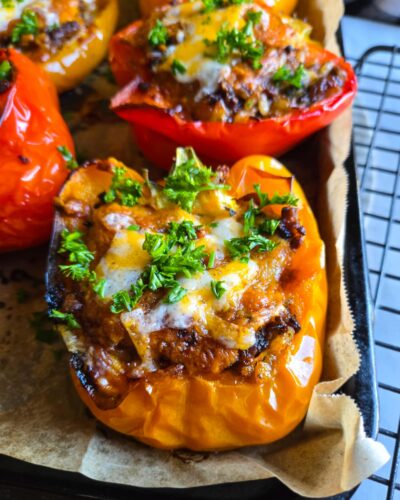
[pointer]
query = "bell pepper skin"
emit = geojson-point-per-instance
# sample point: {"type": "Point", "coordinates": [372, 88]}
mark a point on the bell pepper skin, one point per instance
{"type": "Point", "coordinates": [73, 63]}
{"type": "Point", "coordinates": [284, 6]}
{"type": "Point", "coordinates": [156, 129]}
{"type": "Point", "coordinates": [208, 413]}
{"type": "Point", "coordinates": [32, 170]}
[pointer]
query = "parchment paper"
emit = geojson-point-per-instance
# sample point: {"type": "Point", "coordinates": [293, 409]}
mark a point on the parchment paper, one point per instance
{"type": "Point", "coordinates": [42, 420]}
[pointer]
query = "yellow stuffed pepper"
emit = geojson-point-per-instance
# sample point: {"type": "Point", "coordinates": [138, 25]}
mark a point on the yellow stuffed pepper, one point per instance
{"type": "Point", "coordinates": [193, 309]}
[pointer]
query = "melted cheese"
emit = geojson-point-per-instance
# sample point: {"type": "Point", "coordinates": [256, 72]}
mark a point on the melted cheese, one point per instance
{"type": "Point", "coordinates": [123, 263]}
{"type": "Point", "coordinates": [126, 260]}
{"type": "Point", "coordinates": [190, 51]}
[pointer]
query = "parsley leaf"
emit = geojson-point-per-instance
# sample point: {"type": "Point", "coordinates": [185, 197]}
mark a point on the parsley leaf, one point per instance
{"type": "Point", "coordinates": [175, 295]}
{"type": "Point", "coordinates": [210, 5]}
{"type": "Point", "coordinates": [178, 68]}
{"type": "Point", "coordinates": [70, 161]}
{"type": "Point", "coordinates": [158, 35]}
{"type": "Point", "coordinates": [188, 178]}
{"type": "Point", "coordinates": [5, 70]}
{"type": "Point", "coordinates": [28, 25]}
{"type": "Point", "coordinates": [234, 42]}
{"type": "Point", "coordinates": [121, 302]}
{"type": "Point", "coordinates": [123, 190]}
{"type": "Point", "coordinates": [240, 248]}
{"type": "Point", "coordinates": [276, 199]}
{"type": "Point", "coordinates": [172, 255]}
{"type": "Point", "coordinates": [218, 288]}
{"type": "Point", "coordinates": [99, 287]}
{"type": "Point", "coordinates": [79, 255]}
{"type": "Point", "coordinates": [286, 75]}
{"type": "Point", "coordinates": [269, 226]}
{"type": "Point", "coordinates": [67, 318]}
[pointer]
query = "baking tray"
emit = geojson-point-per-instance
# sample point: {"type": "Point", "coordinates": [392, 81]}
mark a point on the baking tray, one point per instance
{"type": "Point", "coordinates": [20, 480]}
{"type": "Point", "coordinates": [24, 481]}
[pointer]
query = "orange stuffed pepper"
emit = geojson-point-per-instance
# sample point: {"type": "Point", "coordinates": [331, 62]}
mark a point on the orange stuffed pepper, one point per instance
{"type": "Point", "coordinates": [283, 6]}
{"type": "Point", "coordinates": [194, 308]}
{"type": "Point", "coordinates": [67, 38]}
{"type": "Point", "coordinates": [35, 150]}
{"type": "Point", "coordinates": [231, 82]}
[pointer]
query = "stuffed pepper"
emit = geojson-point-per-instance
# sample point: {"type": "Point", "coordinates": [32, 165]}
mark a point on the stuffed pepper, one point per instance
{"type": "Point", "coordinates": [229, 81]}
{"type": "Point", "coordinates": [284, 6]}
{"type": "Point", "coordinates": [36, 150]}
{"type": "Point", "coordinates": [67, 38]}
{"type": "Point", "coordinates": [193, 308]}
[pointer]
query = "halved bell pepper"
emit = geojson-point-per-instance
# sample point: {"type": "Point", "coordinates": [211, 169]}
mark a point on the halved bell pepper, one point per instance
{"type": "Point", "coordinates": [32, 168]}
{"type": "Point", "coordinates": [159, 129]}
{"type": "Point", "coordinates": [177, 409]}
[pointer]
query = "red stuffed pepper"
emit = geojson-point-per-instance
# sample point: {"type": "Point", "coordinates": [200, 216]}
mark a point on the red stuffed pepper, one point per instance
{"type": "Point", "coordinates": [229, 81]}
{"type": "Point", "coordinates": [36, 148]}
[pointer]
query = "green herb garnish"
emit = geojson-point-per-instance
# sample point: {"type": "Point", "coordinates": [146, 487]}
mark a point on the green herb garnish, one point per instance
{"type": "Point", "coordinates": [188, 178]}
{"type": "Point", "coordinates": [5, 70]}
{"type": "Point", "coordinates": [70, 161]}
{"type": "Point", "coordinates": [240, 248]}
{"type": "Point", "coordinates": [172, 255]}
{"type": "Point", "coordinates": [178, 68]}
{"type": "Point", "coordinates": [211, 260]}
{"type": "Point", "coordinates": [123, 190]}
{"type": "Point", "coordinates": [79, 255]}
{"type": "Point", "coordinates": [286, 75]}
{"type": "Point", "coordinates": [28, 25]}
{"type": "Point", "coordinates": [158, 35]}
{"type": "Point", "coordinates": [133, 227]}
{"type": "Point", "coordinates": [67, 318]}
{"type": "Point", "coordinates": [99, 287]}
{"type": "Point", "coordinates": [234, 42]}
{"type": "Point", "coordinates": [276, 199]}
{"type": "Point", "coordinates": [218, 288]}
{"type": "Point", "coordinates": [210, 5]}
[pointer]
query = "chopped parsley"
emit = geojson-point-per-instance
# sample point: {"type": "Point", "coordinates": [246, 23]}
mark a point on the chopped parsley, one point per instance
{"type": "Point", "coordinates": [28, 25]}
{"type": "Point", "coordinates": [122, 301]}
{"type": "Point", "coordinates": [210, 5]}
{"type": "Point", "coordinates": [296, 79]}
{"type": "Point", "coordinates": [188, 178]}
{"type": "Point", "coordinates": [240, 248]}
{"type": "Point", "coordinates": [79, 255]}
{"type": "Point", "coordinates": [158, 35]}
{"type": "Point", "coordinates": [5, 70]}
{"type": "Point", "coordinates": [67, 318]}
{"type": "Point", "coordinates": [234, 42]}
{"type": "Point", "coordinates": [133, 227]}
{"type": "Point", "coordinates": [123, 190]}
{"type": "Point", "coordinates": [172, 255]}
{"type": "Point", "coordinates": [211, 260]}
{"type": "Point", "coordinates": [70, 161]}
{"type": "Point", "coordinates": [276, 199]}
{"type": "Point", "coordinates": [218, 288]}
{"type": "Point", "coordinates": [99, 287]}
{"type": "Point", "coordinates": [175, 295]}
{"type": "Point", "coordinates": [178, 68]}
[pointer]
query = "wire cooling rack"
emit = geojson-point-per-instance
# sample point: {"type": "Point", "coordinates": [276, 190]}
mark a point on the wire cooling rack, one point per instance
{"type": "Point", "coordinates": [377, 148]}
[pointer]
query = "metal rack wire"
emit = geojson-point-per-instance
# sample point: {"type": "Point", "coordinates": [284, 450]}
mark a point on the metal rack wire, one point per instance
{"type": "Point", "coordinates": [377, 143]}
